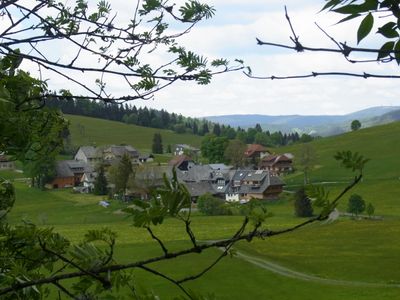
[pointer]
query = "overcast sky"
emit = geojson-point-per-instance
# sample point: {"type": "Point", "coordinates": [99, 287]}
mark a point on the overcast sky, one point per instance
{"type": "Point", "coordinates": [231, 34]}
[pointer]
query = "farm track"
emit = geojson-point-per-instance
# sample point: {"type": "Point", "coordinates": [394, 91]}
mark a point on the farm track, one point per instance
{"type": "Point", "coordinates": [278, 269]}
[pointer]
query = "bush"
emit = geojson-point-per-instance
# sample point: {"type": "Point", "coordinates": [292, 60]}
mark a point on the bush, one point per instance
{"type": "Point", "coordinates": [356, 204]}
{"type": "Point", "coordinates": [302, 204]}
{"type": "Point", "coordinates": [211, 206]}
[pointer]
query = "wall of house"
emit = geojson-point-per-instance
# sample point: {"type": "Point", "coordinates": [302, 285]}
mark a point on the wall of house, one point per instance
{"type": "Point", "coordinates": [80, 156]}
{"type": "Point", "coordinates": [7, 165]}
{"type": "Point", "coordinates": [62, 182]}
{"type": "Point", "coordinates": [232, 197]}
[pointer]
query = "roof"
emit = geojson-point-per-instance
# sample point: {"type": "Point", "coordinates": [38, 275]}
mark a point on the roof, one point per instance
{"type": "Point", "coordinates": [254, 148]}
{"type": "Point", "coordinates": [273, 159]}
{"type": "Point", "coordinates": [179, 159]}
{"type": "Point", "coordinates": [262, 176]}
{"type": "Point", "coordinates": [4, 158]}
{"type": "Point", "coordinates": [67, 168]}
{"type": "Point", "coordinates": [220, 167]}
{"type": "Point", "coordinates": [90, 151]}
{"type": "Point", "coordinates": [197, 189]}
{"type": "Point", "coordinates": [119, 151]}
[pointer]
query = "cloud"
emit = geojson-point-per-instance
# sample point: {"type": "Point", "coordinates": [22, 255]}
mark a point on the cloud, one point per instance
{"type": "Point", "coordinates": [231, 34]}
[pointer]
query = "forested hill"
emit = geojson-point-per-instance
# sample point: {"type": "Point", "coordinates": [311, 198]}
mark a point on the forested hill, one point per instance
{"type": "Point", "coordinates": [129, 114]}
{"type": "Point", "coordinates": [161, 119]}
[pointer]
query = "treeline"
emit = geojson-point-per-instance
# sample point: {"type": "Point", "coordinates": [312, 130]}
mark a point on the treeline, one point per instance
{"type": "Point", "coordinates": [148, 117]}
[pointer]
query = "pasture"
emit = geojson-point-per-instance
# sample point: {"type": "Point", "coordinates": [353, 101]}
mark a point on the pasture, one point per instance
{"type": "Point", "coordinates": [359, 259]}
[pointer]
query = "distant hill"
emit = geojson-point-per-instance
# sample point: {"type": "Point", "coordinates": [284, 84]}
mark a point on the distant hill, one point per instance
{"type": "Point", "coordinates": [88, 131]}
{"type": "Point", "coordinates": [319, 124]}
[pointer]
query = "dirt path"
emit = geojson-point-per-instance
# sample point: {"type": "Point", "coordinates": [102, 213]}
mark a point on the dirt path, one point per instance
{"type": "Point", "coordinates": [278, 269]}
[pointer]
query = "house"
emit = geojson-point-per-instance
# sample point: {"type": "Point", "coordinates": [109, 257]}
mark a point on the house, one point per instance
{"type": "Point", "coordinates": [181, 162]}
{"type": "Point", "coordinates": [88, 179]}
{"type": "Point", "coordinates": [69, 173]}
{"type": "Point", "coordinates": [114, 153]}
{"type": "Point", "coordinates": [180, 149]}
{"type": "Point", "coordinates": [277, 164]}
{"type": "Point", "coordinates": [89, 154]}
{"type": "Point", "coordinates": [249, 184]}
{"type": "Point", "coordinates": [147, 178]}
{"type": "Point", "coordinates": [6, 163]}
{"type": "Point", "coordinates": [256, 151]}
{"type": "Point", "coordinates": [202, 179]}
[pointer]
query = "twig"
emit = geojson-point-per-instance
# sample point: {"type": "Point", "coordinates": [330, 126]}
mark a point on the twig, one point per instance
{"type": "Point", "coordinates": [165, 250]}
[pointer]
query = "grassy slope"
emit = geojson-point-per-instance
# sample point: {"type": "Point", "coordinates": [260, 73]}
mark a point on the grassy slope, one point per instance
{"type": "Point", "coordinates": [348, 250]}
{"type": "Point", "coordinates": [104, 132]}
{"type": "Point", "coordinates": [367, 251]}
{"type": "Point", "coordinates": [381, 144]}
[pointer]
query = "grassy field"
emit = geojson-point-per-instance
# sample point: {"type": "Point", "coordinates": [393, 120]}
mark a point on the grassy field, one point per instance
{"type": "Point", "coordinates": [86, 131]}
{"type": "Point", "coordinates": [381, 144]}
{"type": "Point", "coordinates": [362, 251]}
{"type": "Point", "coordinates": [358, 259]}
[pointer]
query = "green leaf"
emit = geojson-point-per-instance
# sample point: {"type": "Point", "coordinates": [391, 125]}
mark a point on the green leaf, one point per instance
{"type": "Point", "coordinates": [385, 50]}
{"type": "Point", "coordinates": [389, 30]}
{"type": "Point", "coordinates": [397, 52]}
{"type": "Point", "coordinates": [365, 27]}
{"type": "Point", "coordinates": [352, 16]}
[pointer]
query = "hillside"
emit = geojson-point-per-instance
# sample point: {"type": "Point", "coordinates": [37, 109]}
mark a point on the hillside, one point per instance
{"type": "Point", "coordinates": [87, 131]}
{"type": "Point", "coordinates": [323, 125]}
{"type": "Point", "coordinates": [339, 260]}
{"type": "Point", "coordinates": [380, 144]}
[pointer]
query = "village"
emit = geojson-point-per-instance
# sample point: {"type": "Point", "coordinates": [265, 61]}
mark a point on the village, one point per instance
{"type": "Point", "coordinates": [261, 178]}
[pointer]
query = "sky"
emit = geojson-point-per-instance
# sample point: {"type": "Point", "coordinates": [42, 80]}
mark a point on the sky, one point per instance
{"type": "Point", "coordinates": [232, 33]}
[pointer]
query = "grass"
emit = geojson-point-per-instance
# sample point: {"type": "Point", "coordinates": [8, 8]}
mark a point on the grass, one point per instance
{"type": "Point", "coordinates": [350, 250]}
{"type": "Point", "coordinates": [104, 132]}
{"type": "Point", "coordinates": [347, 250]}
{"type": "Point", "coordinates": [380, 144]}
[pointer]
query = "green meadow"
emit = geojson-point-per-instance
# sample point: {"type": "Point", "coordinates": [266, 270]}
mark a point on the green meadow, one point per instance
{"type": "Point", "coordinates": [345, 259]}
{"type": "Point", "coordinates": [88, 131]}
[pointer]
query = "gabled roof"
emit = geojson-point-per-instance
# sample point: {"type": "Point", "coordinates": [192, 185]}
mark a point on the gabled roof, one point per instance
{"type": "Point", "coordinates": [262, 176]}
{"type": "Point", "coordinates": [178, 160]}
{"type": "Point", "coordinates": [4, 158]}
{"type": "Point", "coordinates": [67, 168]}
{"type": "Point", "coordinates": [90, 151]}
{"type": "Point", "coordinates": [119, 151]}
{"type": "Point", "coordinates": [273, 159]}
{"type": "Point", "coordinates": [254, 148]}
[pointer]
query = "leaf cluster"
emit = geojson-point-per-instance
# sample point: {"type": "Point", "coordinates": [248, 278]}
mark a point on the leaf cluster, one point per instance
{"type": "Point", "coordinates": [369, 10]}
{"type": "Point", "coordinates": [166, 201]}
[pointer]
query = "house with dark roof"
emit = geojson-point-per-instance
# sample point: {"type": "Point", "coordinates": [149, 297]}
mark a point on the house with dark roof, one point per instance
{"type": "Point", "coordinates": [257, 184]}
{"type": "Point", "coordinates": [69, 173]}
{"type": "Point", "coordinates": [181, 162]}
{"type": "Point", "coordinates": [6, 163]}
{"type": "Point", "coordinates": [89, 154]}
{"type": "Point", "coordinates": [114, 153]}
{"type": "Point", "coordinates": [256, 151]}
{"type": "Point", "coordinates": [277, 164]}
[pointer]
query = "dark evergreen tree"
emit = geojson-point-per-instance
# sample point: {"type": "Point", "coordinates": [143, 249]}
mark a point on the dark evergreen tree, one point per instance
{"type": "Point", "coordinates": [302, 204]}
{"type": "Point", "coordinates": [217, 129]}
{"type": "Point", "coordinates": [157, 146]}
{"type": "Point", "coordinates": [100, 184]}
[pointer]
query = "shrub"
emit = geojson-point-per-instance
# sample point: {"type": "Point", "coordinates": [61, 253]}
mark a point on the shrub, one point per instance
{"type": "Point", "coordinates": [212, 206]}
{"type": "Point", "coordinates": [356, 204]}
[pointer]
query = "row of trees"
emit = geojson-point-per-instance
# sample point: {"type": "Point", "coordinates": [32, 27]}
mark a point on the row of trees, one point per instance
{"type": "Point", "coordinates": [162, 119]}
